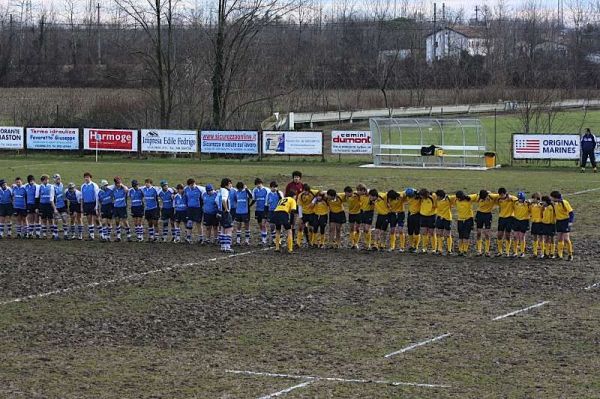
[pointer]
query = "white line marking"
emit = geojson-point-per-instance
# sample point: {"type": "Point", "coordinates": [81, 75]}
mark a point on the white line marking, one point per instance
{"type": "Point", "coordinates": [284, 391]}
{"type": "Point", "coordinates": [589, 287]}
{"type": "Point", "coordinates": [124, 278]}
{"type": "Point", "coordinates": [585, 191]}
{"type": "Point", "coordinates": [537, 305]}
{"type": "Point", "coordinates": [413, 346]}
{"type": "Point", "coordinates": [336, 379]}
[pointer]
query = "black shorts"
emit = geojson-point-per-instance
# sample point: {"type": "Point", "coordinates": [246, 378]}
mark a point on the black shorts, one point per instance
{"type": "Point", "coordinates": [233, 212]}
{"type": "Point", "coordinates": [537, 229]}
{"type": "Point", "coordinates": [31, 208]}
{"type": "Point", "coordinates": [6, 210]}
{"type": "Point", "coordinates": [194, 215]}
{"type": "Point", "coordinates": [226, 220]}
{"type": "Point", "coordinates": [242, 217]}
{"type": "Point", "coordinates": [19, 212]}
{"type": "Point", "coordinates": [428, 221]}
{"type": "Point", "coordinates": [211, 220]}
{"type": "Point", "coordinates": [337, 217]}
{"type": "Point", "coordinates": [483, 220]}
{"type": "Point", "coordinates": [562, 226]}
{"type": "Point", "coordinates": [521, 226]}
{"type": "Point", "coordinates": [506, 224]}
{"type": "Point", "coordinates": [137, 211]}
{"type": "Point", "coordinates": [259, 216]}
{"type": "Point", "coordinates": [74, 208]}
{"type": "Point", "coordinates": [382, 222]}
{"type": "Point", "coordinates": [443, 224]}
{"type": "Point", "coordinates": [319, 221]}
{"type": "Point", "coordinates": [549, 229]}
{"type": "Point", "coordinates": [397, 219]}
{"type": "Point", "coordinates": [309, 218]}
{"type": "Point", "coordinates": [89, 208]}
{"type": "Point", "coordinates": [464, 228]}
{"type": "Point", "coordinates": [181, 216]}
{"type": "Point", "coordinates": [62, 209]}
{"type": "Point", "coordinates": [414, 224]}
{"type": "Point", "coordinates": [281, 219]}
{"type": "Point", "coordinates": [366, 217]}
{"type": "Point", "coordinates": [167, 213]}
{"type": "Point", "coordinates": [354, 218]}
{"type": "Point", "coordinates": [152, 214]}
{"type": "Point", "coordinates": [46, 211]}
{"type": "Point", "coordinates": [106, 211]}
{"type": "Point", "coordinates": [120, 212]}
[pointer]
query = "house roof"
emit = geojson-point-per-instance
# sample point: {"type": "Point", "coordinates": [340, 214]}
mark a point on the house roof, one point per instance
{"type": "Point", "coordinates": [471, 32]}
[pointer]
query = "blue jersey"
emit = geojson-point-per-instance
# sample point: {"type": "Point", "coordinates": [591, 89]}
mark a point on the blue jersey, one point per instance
{"type": "Point", "coordinates": [137, 197]}
{"type": "Point", "coordinates": [89, 192]}
{"type": "Point", "coordinates": [273, 199]}
{"type": "Point", "coordinates": [74, 197]}
{"type": "Point", "coordinates": [180, 202]}
{"type": "Point", "coordinates": [119, 197]}
{"type": "Point", "coordinates": [233, 198]}
{"type": "Point", "coordinates": [209, 201]}
{"type": "Point", "coordinates": [19, 197]}
{"type": "Point", "coordinates": [193, 196]}
{"type": "Point", "coordinates": [6, 196]}
{"type": "Point", "coordinates": [242, 199]}
{"type": "Point", "coordinates": [32, 192]}
{"type": "Point", "coordinates": [59, 195]}
{"type": "Point", "coordinates": [46, 194]}
{"type": "Point", "coordinates": [150, 197]}
{"type": "Point", "coordinates": [167, 198]}
{"type": "Point", "coordinates": [105, 196]}
{"type": "Point", "coordinates": [259, 195]}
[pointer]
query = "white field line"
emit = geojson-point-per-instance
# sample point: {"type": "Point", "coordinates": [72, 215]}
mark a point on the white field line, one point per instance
{"type": "Point", "coordinates": [589, 287]}
{"type": "Point", "coordinates": [413, 346]}
{"type": "Point", "coordinates": [284, 391]}
{"type": "Point", "coordinates": [585, 191]}
{"type": "Point", "coordinates": [123, 278]}
{"type": "Point", "coordinates": [537, 305]}
{"type": "Point", "coordinates": [335, 379]}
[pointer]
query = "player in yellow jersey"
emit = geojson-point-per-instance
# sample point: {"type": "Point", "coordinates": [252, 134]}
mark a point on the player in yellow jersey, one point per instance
{"type": "Point", "coordinates": [443, 221]}
{"type": "Point", "coordinates": [483, 221]}
{"type": "Point", "coordinates": [537, 227]}
{"type": "Point", "coordinates": [281, 218]}
{"type": "Point", "coordinates": [549, 222]}
{"type": "Point", "coordinates": [564, 221]}
{"type": "Point", "coordinates": [521, 224]}
{"type": "Point", "coordinates": [366, 217]}
{"type": "Point", "coordinates": [414, 219]}
{"type": "Point", "coordinates": [353, 203]}
{"type": "Point", "coordinates": [396, 203]}
{"type": "Point", "coordinates": [337, 216]}
{"type": "Point", "coordinates": [464, 214]}
{"type": "Point", "coordinates": [506, 218]}
{"type": "Point", "coordinates": [427, 219]}
{"type": "Point", "coordinates": [382, 222]}
{"type": "Point", "coordinates": [306, 215]}
{"type": "Point", "coordinates": [320, 220]}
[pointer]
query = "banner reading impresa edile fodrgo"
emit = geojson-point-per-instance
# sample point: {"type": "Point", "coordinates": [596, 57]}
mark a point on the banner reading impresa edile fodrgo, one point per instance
{"type": "Point", "coordinates": [110, 140]}
{"type": "Point", "coordinates": [178, 141]}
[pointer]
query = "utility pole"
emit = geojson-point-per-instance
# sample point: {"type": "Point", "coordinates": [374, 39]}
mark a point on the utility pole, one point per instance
{"type": "Point", "coordinates": [435, 42]}
{"type": "Point", "coordinates": [444, 12]}
{"type": "Point", "coordinates": [476, 13]}
{"type": "Point", "coordinates": [98, 36]}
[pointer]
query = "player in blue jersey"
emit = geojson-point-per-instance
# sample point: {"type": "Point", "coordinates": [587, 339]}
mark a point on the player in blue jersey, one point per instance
{"type": "Point", "coordinates": [136, 198]}
{"type": "Point", "coordinates": [73, 197]}
{"type": "Point", "coordinates": [233, 205]}
{"type": "Point", "coordinates": [6, 209]}
{"type": "Point", "coordinates": [180, 205]}
{"type": "Point", "coordinates": [243, 198]}
{"type": "Point", "coordinates": [167, 211]}
{"type": "Point", "coordinates": [210, 210]}
{"type": "Point", "coordinates": [226, 220]}
{"type": "Point", "coordinates": [120, 195]}
{"type": "Point", "coordinates": [47, 208]}
{"type": "Point", "coordinates": [61, 205]}
{"type": "Point", "coordinates": [105, 198]}
{"type": "Point", "coordinates": [273, 198]}
{"type": "Point", "coordinates": [151, 212]}
{"type": "Point", "coordinates": [259, 198]}
{"type": "Point", "coordinates": [89, 203]}
{"type": "Point", "coordinates": [193, 195]}
{"type": "Point", "coordinates": [20, 207]}
{"type": "Point", "coordinates": [34, 229]}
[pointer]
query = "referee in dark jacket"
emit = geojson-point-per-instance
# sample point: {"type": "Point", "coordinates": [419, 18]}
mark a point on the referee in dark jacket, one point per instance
{"type": "Point", "coordinates": [588, 145]}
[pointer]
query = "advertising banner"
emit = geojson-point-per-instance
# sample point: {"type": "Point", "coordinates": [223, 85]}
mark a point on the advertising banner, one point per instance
{"type": "Point", "coordinates": [110, 140]}
{"type": "Point", "coordinates": [546, 146]}
{"type": "Point", "coordinates": [228, 142]}
{"type": "Point", "coordinates": [179, 141]}
{"type": "Point", "coordinates": [351, 142]}
{"type": "Point", "coordinates": [11, 137]}
{"type": "Point", "coordinates": [292, 143]}
{"type": "Point", "coordinates": [50, 138]}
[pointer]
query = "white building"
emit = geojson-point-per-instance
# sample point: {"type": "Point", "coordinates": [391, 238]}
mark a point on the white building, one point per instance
{"type": "Point", "coordinates": [450, 42]}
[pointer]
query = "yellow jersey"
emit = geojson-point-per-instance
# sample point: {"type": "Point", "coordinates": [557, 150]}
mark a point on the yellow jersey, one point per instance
{"type": "Point", "coordinates": [562, 209]}
{"type": "Point", "coordinates": [287, 205]}
{"type": "Point", "coordinates": [397, 205]}
{"type": "Point", "coordinates": [414, 205]}
{"type": "Point", "coordinates": [305, 201]}
{"type": "Point", "coordinates": [336, 205]}
{"type": "Point", "coordinates": [464, 209]}
{"type": "Point", "coordinates": [353, 202]}
{"type": "Point", "coordinates": [365, 203]}
{"type": "Point", "coordinates": [381, 205]}
{"type": "Point", "coordinates": [522, 210]}
{"type": "Point", "coordinates": [444, 206]}
{"type": "Point", "coordinates": [549, 215]}
{"type": "Point", "coordinates": [321, 207]}
{"type": "Point", "coordinates": [537, 212]}
{"type": "Point", "coordinates": [486, 205]}
{"type": "Point", "coordinates": [428, 205]}
{"type": "Point", "coordinates": [506, 206]}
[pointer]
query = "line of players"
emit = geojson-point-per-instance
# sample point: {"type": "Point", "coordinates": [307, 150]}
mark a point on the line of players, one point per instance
{"type": "Point", "coordinates": [206, 217]}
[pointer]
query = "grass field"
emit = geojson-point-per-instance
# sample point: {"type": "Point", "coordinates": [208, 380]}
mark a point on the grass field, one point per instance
{"type": "Point", "coordinates": [129, 320]}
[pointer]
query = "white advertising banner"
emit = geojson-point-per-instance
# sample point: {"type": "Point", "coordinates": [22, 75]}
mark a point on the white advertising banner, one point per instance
{"type": "Point", "coordinates": [292, 143]}
{"type": "Point", "coordinates": [110, 140]}
{"type": "Point", "coordinates": [11, 137]}
{"type": "Point", "coordinates": [50, 138]}
{"type": "Point", "coordinates": [182, 141]}
{"type": "Point", "coordinates": [351, 142]}
{"type": "Point", "coordinates": [228, 142]}
{"type": "Point", "coordinates": [546, 146]}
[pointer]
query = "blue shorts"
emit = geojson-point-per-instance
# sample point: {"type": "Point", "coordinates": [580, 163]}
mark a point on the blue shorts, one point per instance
{"type": "Point", "coordinates": [89, 208]}
{"type": "Point", "coordinates": [226, 220]}
{"type": "Point", "coordinates": [19, 212]}
{"type": "Point", "coordinates": [194, 214]}
{"type": "Point", "coordinates": [443, 224]}
{"type": "Point", "coordinates": [6, 210]}
{"type": "Point", "coordinates": [106, 211]}
{"type": "Point", "coordinates": [211, 220]}
{"type": "Point", "coordinates": [397, 219]}
{"type": "Point", "coordinates": [31, 208]}
{"type": "Point", "coordinates": [181, 216]}
{"type": "Point", "coordinates": [483, 220]}
{"type": "Point", "coordinates": [120, 212]}
{"type": "Point", "coordinates": [137, 211]}
{"type": "Point", "coordinates": [46, 211]}
{"type": "Point", "coordinates": [167, 214]}
{"type": "Point", "coordinates": [562, 226]}
{"type": "Point", "coordinates": [242, 217]}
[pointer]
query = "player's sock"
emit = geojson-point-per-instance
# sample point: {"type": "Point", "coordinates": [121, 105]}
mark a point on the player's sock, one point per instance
{"type": "Point", "coordinates": [507, 246]}
{"type": "Point", "coordinates": [277, 240]}
{"type": "Point", "coordinates": [8, 228]}
{"type": "Point", "coordinates": [402, 240]}
{"type": "Point", "coordinates": [54, 230]}
{"type": "Point", "coordinates": [570, 247]}
{"type": "Point", "coordinates": [300, 237]}
{"type": "Point", "coordinates": [488, 245]}
{"type": "Point", "coordinates": [368, 238]}
{"type": "Point", "coordinates": [417, 240]}
{"type": "Point", "coordinates": [434, 239]}
{"type": "Point", "coordinates": [44, 229]}
{"type": "Point", "coordinates": [65, 228]}
{"type": "Point", "coordinates": [535, 247]}
{"type": "Point", "coordinates": [165, 229]}
{"type": "Point", "coordinates": [500, 245]}
{"type": "Point", "coordinates": [561, 248]}
{"type": "Point", "coordinates": [523, 246]}
{"type": "Point", "coordinates": [515, 245]}
{"type": "Point", "coordinates": [38, 229]}
{"type": "Point", "coordinates": [479, 246]}
{"type": "Point", "coordinates": [1, 229]}
{"type": "Point", "coordinates": [425, 241]}
{"type": "Point", "coordinates": [247, 236]}
{"type": "Point", "coordinates": [392, 241]}
{"type": "Point", "coordinates": [553, 249]}
{"type": "Point", "coordinates": [18, 229]}
{"type": "Point", "coordinates": [263, 237]}
{"type": "Point", "coordinates": [273, 235]}
{"type": "Point", "coordinates": [323, 238]}
{"type": "Point", "coordinates": [221, 241]}
{"type": "Point", "coordinates": [449, 243]}
{"type": "Point", "coordinates": [290, 243]}
{"type": "Point", "coordinates": [91, 230]}
{"type": "Point", "coordinates": [238, 236]}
